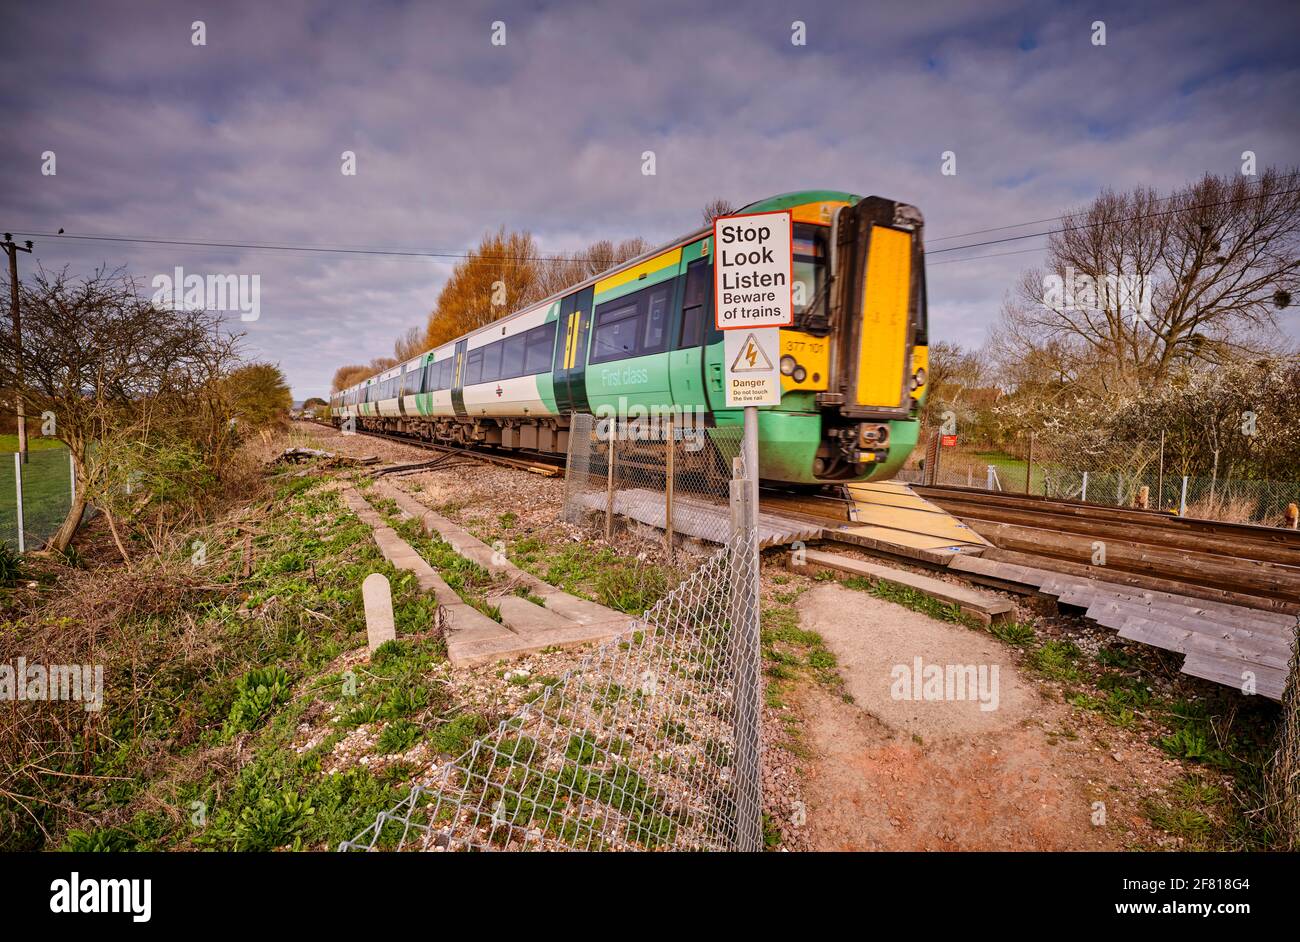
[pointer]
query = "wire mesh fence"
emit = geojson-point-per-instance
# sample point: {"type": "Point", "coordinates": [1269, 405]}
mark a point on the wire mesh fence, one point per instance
{"type": "Point", "coordinates": [1282, 778]}
{"type": "Point", "coordinates": [32, 513]}
{"type": "Point", "coordinates": [669, 471]}
{"type": "Point", "coordinates": [652, 742]}
{"type": "Point", "coordinates": [1141, 476]}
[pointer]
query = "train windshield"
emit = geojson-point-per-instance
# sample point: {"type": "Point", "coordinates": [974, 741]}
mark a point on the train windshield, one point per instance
{"type": "Point", "coordinates": [811, 245]}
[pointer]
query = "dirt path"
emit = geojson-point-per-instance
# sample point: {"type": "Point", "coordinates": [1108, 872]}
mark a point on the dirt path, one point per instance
{"type": "Point", "coordinates": [993, 766]}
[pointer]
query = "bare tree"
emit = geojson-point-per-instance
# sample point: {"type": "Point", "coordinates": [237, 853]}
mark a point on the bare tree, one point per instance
{"type": "Point", "coordinates": [348, 375]}
{"type": "Point", "coordinates": [1135, 284]}
{"type": "Point", "coordinates": [410, 344]}
{"type": "Point", "coordinates": [556, 274]}
{"type": "Point", "coordinates": [99, 358]}
{"type": "Point", "coordinates": [715, 208]}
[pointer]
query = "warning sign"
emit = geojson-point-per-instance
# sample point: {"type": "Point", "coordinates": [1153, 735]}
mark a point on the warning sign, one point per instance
{"type": "Point", "coordinates": [753, 377]}
{"type": "Point", "coordinates": [752, 283]}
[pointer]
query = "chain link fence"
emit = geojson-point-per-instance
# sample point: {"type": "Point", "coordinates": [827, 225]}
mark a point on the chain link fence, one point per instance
{"type": "Point", "coordinates": [669, 472]}
{"type": "Point", "coordinates": [652, 742]}
{"type": "Point", "coordinates": [1144, 477]}
{"type": "Point", "coordinates": [35, 497]}
{"type": "Point", "coordinates": [1282, 776]}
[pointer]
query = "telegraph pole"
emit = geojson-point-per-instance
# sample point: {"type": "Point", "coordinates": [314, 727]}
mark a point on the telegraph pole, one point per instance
{"type": "Point", "coordinates": [12, 249]}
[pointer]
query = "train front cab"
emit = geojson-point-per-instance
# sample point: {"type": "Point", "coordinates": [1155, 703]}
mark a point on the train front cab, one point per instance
{"type": "Point", "coordinates": [854, 365]}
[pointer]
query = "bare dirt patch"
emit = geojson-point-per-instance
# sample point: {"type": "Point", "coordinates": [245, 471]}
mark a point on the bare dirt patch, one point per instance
{"type": "Point", "coordinates": [888, 774]}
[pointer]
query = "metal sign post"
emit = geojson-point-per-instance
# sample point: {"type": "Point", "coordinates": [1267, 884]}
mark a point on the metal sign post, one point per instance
{"type": "Point", "coordinates": [753, 298]}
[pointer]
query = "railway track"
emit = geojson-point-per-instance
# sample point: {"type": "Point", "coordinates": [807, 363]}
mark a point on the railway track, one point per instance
{"type": "Point", "coordinates": [1240, 564]}
{"type": "Point", "coordinates": [545, 465]}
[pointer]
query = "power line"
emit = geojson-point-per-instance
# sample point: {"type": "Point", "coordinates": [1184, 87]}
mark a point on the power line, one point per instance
{"type": "Point", "coordinates": [1035, 222]}
{"type": "Point", "coordinates": [303, 248]}
{"type": "Point", "coordinates": [971, 258]}
{"type": "Point", "coordinates": [1093, 225]}
{"type": "Point", "coordinates": [404, 253]}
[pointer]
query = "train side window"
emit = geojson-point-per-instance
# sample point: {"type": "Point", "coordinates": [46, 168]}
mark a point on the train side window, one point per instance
{"type": "Point", "coordinates": [699, 279]}
{"type": "Point", "coordinates": [448, 372]}
{"type": "Point", "coordinates": [537, 357]}
{"type": "Point", "coordinates": [618, 327]}
{"type": "Point", "coordinates": [656, 322]}
{"type": "Point", "coordinates": [692, 318]}
{"type": "Point", "coordinates": [512, 355]}
{"type": "Point", "coordinates": [473, 367]}
{"type": "Point", "coordinates": [491, 363]}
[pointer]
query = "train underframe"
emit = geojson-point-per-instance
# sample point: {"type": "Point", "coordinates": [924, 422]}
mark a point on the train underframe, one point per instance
{"type": "Point", "coordinates": [549, 435]}
{"type": "Point", "coordinates": [802, 448]}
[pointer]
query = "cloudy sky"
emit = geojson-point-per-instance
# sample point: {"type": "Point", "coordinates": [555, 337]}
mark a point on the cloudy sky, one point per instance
{"type": "Point", "coordinates": [240, 140]}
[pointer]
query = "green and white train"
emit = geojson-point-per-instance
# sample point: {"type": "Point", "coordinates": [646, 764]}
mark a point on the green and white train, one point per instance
{"type": "Point", "coordinates": [640, 338]}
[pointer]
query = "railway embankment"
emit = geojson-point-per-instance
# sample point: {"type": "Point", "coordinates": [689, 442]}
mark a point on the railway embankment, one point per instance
{"type": "Point", "coordinates": [252, 715]}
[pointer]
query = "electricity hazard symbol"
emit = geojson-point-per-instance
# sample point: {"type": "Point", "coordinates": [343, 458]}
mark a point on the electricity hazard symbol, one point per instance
{"type": "Point", "coordinates": [751, 358]}
{"type": "Point", "coordinates": [752, 376]}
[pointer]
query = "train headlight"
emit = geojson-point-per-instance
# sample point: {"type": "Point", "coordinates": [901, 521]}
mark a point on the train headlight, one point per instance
{"type": "Point", "coordinates": [799, 374]}
{"type": "Point", "coordinates": [788, 366]}
{"type": "Point", "coordinates": [918, 378]}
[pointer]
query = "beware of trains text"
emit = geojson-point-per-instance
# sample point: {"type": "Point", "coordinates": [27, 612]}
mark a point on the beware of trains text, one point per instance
{"type": "Point", "coordinates": [752, 282]}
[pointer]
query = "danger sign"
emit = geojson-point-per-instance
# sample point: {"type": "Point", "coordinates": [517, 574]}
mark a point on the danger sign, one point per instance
{"type": "Point", "coordinates": [752, 269]}
{"type": "Point", "coordinates": [753, 377]}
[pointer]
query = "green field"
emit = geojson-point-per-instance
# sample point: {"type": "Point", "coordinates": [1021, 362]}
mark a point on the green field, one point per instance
{"type": "Point", "coordinates": [47, 491]}
{"type": "Point", "coordinates": [1010, 469]}
{"type": "Point", "coordinates": [9, 444]}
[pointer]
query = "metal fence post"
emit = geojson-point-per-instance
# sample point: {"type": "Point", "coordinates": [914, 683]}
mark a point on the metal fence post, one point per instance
{"type": "Point", "coordinates": [18, 497]}
{"type": "Point", "coordinates": [1182, 501]}
{"type": "Point", "coordinates": [744, 646]}
{"type": "Point", "coordinates": [670, 443]}
{"type": "Point", "coordinates": [609, 483]}
{"type": "Point", "coordinates": [1084, 496]}
{"type": "Point", "coordinates": [1029, 465]}
{"type": "Point", "coordinates": [989, 484]}
{"type": "Point", "coordinates": [72, 475]}
{"type": "Point", "coordinates": [1160, 475]}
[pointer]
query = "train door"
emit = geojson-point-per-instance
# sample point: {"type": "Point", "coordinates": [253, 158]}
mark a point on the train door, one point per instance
{"type": "Point", "coordinates": [457, 390]}
{"type": "Point", "coordinates": [686, 358]}
{"type": "Point", "coordinates": [573, 326]}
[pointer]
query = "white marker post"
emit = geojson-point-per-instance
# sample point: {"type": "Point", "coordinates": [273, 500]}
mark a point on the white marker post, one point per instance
{"type": "Point", "coordinates": [752, 299]}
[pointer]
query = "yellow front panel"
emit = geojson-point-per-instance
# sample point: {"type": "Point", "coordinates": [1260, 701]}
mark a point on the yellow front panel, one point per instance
{"type": "Point", "coordinates": [819, 214]}
{"type": "Point", "coordinates": [882, 351]}
{"type": "Point", "coordinates": [813, 354]}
